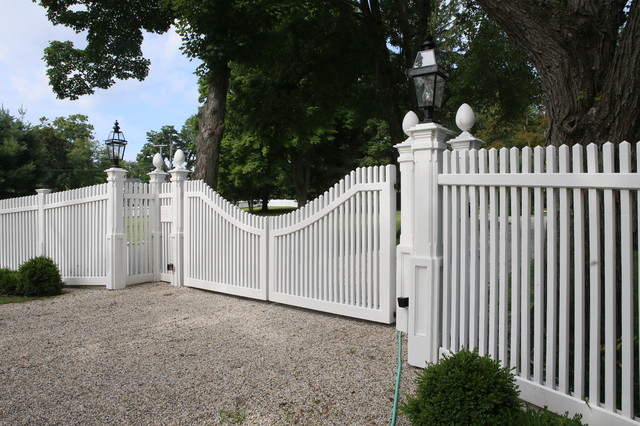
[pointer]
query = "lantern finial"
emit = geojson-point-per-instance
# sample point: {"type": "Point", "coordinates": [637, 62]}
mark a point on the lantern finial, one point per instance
{"type": "Point", "coordinates": [116, 144]}
{"type": "Point", "coordinates": [428, 79]}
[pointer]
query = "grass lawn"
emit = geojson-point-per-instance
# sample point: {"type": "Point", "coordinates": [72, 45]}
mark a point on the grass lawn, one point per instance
{"type": "Point", "coordinates": [273, 211]}
{"type": "Point", "coordinates": [17, 299]}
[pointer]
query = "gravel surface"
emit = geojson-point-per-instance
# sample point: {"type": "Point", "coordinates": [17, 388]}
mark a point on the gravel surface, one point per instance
{"type": "Point", "coordinates": [156, 354]}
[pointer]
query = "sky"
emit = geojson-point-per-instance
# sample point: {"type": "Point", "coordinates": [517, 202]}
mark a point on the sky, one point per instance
{"type": "Point", "coordinates": [168, 96]}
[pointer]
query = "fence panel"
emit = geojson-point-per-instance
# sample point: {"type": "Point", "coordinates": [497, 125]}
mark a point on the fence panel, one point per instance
{"type": "Point", "coordinates": [19, 230]}
{"type": "Point", "coordinates": [564, 239]}
{"type": "Point", "coordinates": [337, 253]}
{"type": "Point", "coordinates": [75, 230]}
{"type": "Point", "coordinates": [225, 247]}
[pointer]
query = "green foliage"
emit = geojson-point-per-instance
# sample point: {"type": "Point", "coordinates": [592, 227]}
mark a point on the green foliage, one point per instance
{"type": "Point", "coordinates": [533, 417]}
{"type": "Point", "coordinates": [21, 155]}
{"type": "Point", "coordinates": [39, 276]}
{"type": "Point", "coordinates": [8, 281]}
{"type": "Point", "coordinates": [74, 158]}
{"type": "Point", "coordinates": [114, 36]}
{"type": "Point", "coordinates": [166, 141]}
{"type": "Point", "coordinates": [464, 388]}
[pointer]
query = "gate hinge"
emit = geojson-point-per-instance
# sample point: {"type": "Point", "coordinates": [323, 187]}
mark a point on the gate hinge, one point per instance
{"type": "Point", "coordinates": [403, 302]}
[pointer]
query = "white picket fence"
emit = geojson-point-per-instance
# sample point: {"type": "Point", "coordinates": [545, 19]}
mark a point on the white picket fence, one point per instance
{"type": "Point", "coordinates": [529, 256]}
{"type": "Point", "coordinates": [69, 227]}
{"type": "Point", "coordinates": [122, 233]}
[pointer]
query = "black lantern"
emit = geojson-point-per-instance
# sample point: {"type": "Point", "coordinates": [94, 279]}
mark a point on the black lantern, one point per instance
{"type": "Point", "coordinates": [116, 145]}
{"type": "Point", "coordinates": [428, 78]}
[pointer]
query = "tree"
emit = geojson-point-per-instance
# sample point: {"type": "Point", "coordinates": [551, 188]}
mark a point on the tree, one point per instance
{"type": "Point", "coordinates": [588, 58]}
{"type": "Point", "coordinates": [74, 158]}
{"type": "Point", "coordinates": [114, 34]}
{"type": "Point", "coordinates": [306, 91]}
{"type": "Point", "coordinates": [165, 141]}
{"type": "Point", "coordinates": [21, 156]}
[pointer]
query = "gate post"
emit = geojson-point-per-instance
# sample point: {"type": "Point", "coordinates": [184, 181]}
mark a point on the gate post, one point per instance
{"type": "Point", "coordinates": [427, 142]}
{"type": "Point", "coordinates": [405, 248]}
{"type": "Point", "coordinates": [156, 179]}
{"type": "Point", "coordinates": [40, 247]}
{"type": "Point", "coordinates": [178, 177]}
{"type": "Point", "coordinates": [116, 245]}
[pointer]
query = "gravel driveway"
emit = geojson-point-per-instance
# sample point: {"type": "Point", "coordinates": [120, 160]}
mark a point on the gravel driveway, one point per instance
{"type": "Point", "coordinates": [156, 354]}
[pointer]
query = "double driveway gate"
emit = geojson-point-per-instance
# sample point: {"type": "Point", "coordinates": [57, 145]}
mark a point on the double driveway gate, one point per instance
{"type": "Point", "coordinates": [336, 254]}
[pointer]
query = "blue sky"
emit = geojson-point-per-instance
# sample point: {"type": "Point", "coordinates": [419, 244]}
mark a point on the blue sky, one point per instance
{"type": "Point", "coordinates": [168, 96]}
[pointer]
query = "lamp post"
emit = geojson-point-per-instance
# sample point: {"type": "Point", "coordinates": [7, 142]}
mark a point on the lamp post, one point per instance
{"type": "Point", "coordinates": [116, 143]}
{"type": "Point", "coordinates": [429, 79]}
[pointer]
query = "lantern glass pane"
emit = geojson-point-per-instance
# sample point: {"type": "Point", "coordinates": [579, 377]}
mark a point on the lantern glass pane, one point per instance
{"type": "Point", "coordinates": [425, 58]}
{"type": "Point", "coordinates": [439, 92]}
{"type": "Point", "coordinates": [425, 86]}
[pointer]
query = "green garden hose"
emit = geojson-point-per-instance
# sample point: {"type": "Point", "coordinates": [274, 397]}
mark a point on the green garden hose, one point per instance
{"type": "Point", "coordinates": [395, 398]}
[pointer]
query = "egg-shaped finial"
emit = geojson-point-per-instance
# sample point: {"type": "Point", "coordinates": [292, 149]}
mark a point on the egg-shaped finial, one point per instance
{"type": "Point", "coordinates": [158, 161]}
{"type": "Point", "coordinates": [410, 120]}
{"type": "Point", "coordinates": [178, 159]}
{"type": "Point", "coordinates": [465, 118]}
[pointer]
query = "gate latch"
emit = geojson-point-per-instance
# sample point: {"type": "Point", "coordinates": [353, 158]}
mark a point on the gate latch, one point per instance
{"type": "Point", "coordinates": [403, 302]}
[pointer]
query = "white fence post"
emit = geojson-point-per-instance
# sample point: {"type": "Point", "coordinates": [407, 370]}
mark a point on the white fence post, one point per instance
{"type": "Point", "coordinates": [424, 289]}
{"type": "Point", "coordinates": [116, 244]}
{"type": "Point", "coordinates": [156, 179]}
{"type": "Point", "coordinates": [178, 177]}
{"type": "Point", "coordinates": [40, 247]}
{"type": "Point", "coordinates": [465, 119]}
{"type": "Point", "coordinates": [405, 248]}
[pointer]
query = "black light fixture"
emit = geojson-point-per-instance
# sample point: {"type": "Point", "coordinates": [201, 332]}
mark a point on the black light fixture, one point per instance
{"type": "Point", "coordinates": [429, 79]}
{"type": "Point", "coordinates": [116, 144]}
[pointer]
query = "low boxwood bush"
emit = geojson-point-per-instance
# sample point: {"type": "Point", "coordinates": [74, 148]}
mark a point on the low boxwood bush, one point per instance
{"type": "Point", "coordinates": [534, 417]}
{"type": "Point", "coordinates": [8, 281]}
{"type": "Point", "coordinates": [464, 389]}
{"type": "Point", "coordinates": [39, 277]}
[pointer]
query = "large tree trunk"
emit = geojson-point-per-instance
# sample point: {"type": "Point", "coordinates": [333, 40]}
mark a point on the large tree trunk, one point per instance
{"type": "Point", "coordinates": [372, 18]}
{"type": "Point", "coordinates": [301, 176]}
{"type": "Point", "coordinates": [211, 119]}
{"type": "Point", "coordinates": [588, 58]}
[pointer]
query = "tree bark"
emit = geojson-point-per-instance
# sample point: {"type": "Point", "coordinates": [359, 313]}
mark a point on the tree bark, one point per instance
{"type": "Point", "coordinates": [301, 176]}
{"type": "Point", "coordinates": [588, 58]}
{"type": "Point", "coordinates": [372, 18]}
{"type": "Point", "coordinates": [211, 119]}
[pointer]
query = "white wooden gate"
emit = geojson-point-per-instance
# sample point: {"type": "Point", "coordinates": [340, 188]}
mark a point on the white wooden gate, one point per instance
{"type": "Point", "coordinates": [225, 247]}
{"type": "Point", "coordinates": [335, 255]}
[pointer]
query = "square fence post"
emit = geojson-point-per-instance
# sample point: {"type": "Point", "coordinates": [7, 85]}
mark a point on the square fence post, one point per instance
{"type": "Point", "coordinates": [424, 283]}
{"type": "Point", "coordinates": [156, 179]}
{"type": "Point", "coordinates": [116, 244]}
{"type": "Point", "coordinates": [178, 178]}
{"type": "Point", "coordinates": [404, 250]}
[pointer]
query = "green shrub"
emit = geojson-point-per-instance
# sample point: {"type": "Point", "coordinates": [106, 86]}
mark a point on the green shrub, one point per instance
{"type": "Point", "coordinates": [532, 417]}
{"type": "Point", "coordinates": [464, 389]}
{"type": "Point", "coordinates": [8, 281]}
{"type": "Point", "coordinates": [39, 277]}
